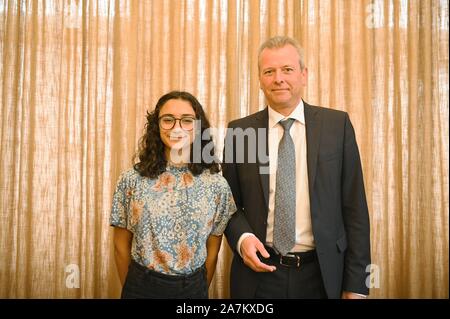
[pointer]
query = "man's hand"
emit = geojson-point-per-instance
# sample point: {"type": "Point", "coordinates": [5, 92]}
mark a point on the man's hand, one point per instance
{"type": "Point", "coordinates": [352, 295]}
{"type": "Point", "coordinates": [249, 247]}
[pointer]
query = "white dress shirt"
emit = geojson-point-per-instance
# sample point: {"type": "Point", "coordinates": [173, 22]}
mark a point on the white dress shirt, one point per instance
{"type": "Point", "coordinates": [304, 239]}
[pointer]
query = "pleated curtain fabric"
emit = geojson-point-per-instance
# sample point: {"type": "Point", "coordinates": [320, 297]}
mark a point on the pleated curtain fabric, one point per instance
{"type": "Point", "coordinates": [77, 78]}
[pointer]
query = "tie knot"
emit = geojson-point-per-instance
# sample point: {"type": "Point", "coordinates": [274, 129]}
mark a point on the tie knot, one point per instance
{"type": "Point", "coordinates": [286, 124]}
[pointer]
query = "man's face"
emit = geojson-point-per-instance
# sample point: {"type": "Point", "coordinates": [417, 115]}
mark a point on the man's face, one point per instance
{"type": "Point", "coordinates": [281, 77]}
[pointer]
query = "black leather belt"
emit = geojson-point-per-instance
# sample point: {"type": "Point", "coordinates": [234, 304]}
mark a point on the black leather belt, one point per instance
{"type": "Point", "coordinates": [292, 259]}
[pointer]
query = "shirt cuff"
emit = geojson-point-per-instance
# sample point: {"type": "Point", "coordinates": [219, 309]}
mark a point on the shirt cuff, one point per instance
{"type": "Point", "coordinates": [243, 236]}
{"type": "Point", "coordinates": [361, 295]}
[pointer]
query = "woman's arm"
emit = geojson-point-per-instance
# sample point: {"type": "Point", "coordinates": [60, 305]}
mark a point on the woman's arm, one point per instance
{"type": "Point", "coordinates": [212, 250]}
{"type": "Point", "coordinates": [122, 251]}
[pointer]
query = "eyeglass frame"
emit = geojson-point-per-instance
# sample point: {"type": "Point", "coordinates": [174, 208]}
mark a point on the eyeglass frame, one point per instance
{"type": "Point", "coordinates": [175, 122]}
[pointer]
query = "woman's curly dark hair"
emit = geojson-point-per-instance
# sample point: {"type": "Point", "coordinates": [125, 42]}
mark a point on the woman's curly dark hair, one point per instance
{"type": "Point", "coordinates": [152, 161]}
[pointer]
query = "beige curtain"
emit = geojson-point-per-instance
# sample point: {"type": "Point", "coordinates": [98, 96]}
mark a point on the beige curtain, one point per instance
{"type": "Point", "coordinates": [76, 78]}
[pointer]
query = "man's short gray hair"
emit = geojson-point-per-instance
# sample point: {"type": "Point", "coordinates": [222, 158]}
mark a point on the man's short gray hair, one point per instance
{"type": "Point", "coordinates": [280, 42]}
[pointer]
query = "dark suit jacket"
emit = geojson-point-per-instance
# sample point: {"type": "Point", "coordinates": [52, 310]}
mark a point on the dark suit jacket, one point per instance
{"type": "Point", "coordinates": [339, 213]}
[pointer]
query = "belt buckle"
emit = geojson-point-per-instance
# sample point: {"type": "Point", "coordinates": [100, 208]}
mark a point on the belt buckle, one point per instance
{"type": "Point", "coordinates": [290, 256]}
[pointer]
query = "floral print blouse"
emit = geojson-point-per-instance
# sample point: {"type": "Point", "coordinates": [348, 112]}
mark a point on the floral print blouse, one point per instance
{"type": "Point", "coordinates": [172, 216]}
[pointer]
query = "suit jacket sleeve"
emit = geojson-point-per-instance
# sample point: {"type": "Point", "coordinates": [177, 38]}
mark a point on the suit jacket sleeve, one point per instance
{"type": "Point", "coordinates": [238, 223]}
{"type": "Point", "coordinates": [355, 216]}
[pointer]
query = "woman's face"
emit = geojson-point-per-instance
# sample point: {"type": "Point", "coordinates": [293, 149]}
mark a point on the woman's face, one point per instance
{"type": "Point", "coordinates": [176, 124]}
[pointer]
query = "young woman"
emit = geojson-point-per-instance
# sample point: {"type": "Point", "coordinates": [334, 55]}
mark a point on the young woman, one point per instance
{"type": "Point", "coordinates": [169, 211]}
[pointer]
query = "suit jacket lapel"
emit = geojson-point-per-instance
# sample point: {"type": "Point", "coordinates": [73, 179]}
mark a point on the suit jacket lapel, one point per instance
{"type": "Point", "coordinates": [312, 120]}
{"type": "Point", "coordinates": [262, 121]}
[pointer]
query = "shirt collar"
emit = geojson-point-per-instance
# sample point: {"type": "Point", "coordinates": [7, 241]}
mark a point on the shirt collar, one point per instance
{"type": "Point", "coordinates": [297, 114]}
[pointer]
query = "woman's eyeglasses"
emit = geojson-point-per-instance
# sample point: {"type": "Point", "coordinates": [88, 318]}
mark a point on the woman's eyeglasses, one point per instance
{"type": "Point", "coordinates": [167, 122]}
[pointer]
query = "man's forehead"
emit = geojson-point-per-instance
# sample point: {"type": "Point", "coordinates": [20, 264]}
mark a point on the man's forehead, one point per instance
{"type": "Point", "coordinates": [286, 51]}
{"type": "Point", "coordinates": [285, 62]}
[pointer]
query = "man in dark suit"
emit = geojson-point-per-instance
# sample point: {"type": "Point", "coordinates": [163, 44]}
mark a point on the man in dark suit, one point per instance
{"type": "Point", "coordinates": [302, 225]}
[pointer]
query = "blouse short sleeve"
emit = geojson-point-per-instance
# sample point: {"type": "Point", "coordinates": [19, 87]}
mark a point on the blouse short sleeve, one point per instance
{"type": "Point", "coordinates": [225, 207]}
{"type": "Point", "coordinates": [121, 201]}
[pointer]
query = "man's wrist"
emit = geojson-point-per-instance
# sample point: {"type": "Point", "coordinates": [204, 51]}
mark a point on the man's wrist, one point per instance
{"type": "Point", "coordinates": [348, 294]}
{"type": "Point", "coordinates": [241, 239]}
